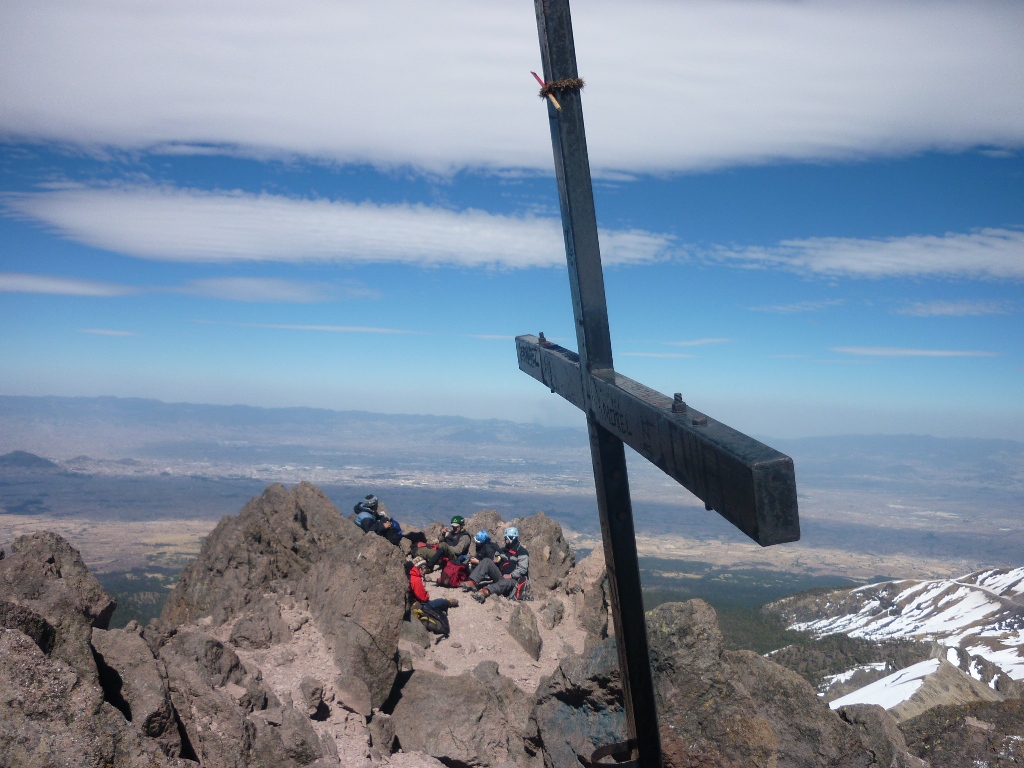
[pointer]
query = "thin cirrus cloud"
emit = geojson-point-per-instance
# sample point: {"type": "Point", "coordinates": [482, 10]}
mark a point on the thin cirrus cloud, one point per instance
{"type": "Point", "coordinates": [910, 352]}
{"type": "Point", "coordinates": [251, 289]}
{"type": "Point", "coordinates": [107, 332]}
{"type": "Point", "coordinates": [989, 253]}
{"type": "Point", "coordinates": [812, 305]}
{"type": "Point", "coordinates": [670, 86]}
{"type": "Point", "coordinates": [698, 342]}
{"type": "Point", "coordinates": [20, 282]}
{"type": "Point", "coordinates": [188, 225]}
{"type": "Point", "coordinates": [965, 308]}
{"type": "Point", "coordinates": [321, 328]}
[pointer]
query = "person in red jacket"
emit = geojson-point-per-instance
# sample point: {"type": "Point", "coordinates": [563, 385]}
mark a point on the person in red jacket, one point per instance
{"type": "Point", "coordinates": [419, 592]}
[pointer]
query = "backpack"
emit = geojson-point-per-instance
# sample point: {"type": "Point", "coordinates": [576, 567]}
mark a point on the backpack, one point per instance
{"type": "Point", "coordinates": [452, 575]}
{"type": "Point", "coordinates": [434, 621]}
{"type": "Point", "coordinates": [522, 590]}
{"type": "Point", "coordinates": [365, 520]}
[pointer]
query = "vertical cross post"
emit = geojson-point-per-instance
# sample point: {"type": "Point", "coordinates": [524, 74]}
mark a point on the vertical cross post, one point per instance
{"type": "Point", "coordinates": [579, 224]}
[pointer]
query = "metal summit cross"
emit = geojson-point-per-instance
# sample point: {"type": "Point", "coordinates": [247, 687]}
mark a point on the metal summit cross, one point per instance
{"type": "Point", "coordinates": [746, 482]}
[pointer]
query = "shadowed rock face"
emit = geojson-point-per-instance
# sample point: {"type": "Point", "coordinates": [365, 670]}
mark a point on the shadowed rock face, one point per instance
{"type": "Point", "coordinates": [579, 707]}
{"type": "Point", "coordinates": [296, 541]}
{"type": "Point", "coordinates": [475, 719]}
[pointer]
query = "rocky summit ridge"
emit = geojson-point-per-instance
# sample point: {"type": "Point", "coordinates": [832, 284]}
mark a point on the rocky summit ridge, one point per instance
{"type": "Point", "coordinates": [284, 644]}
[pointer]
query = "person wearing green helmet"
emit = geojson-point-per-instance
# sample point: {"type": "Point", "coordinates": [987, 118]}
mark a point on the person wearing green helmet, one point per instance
{"type": "Point", "coordinates": [453, 544]}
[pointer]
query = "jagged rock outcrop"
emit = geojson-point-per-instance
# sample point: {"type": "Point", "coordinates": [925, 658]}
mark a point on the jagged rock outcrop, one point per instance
{"type": "Point", "coordinates": [716, 708]}
{"type": "Point", "coordinates": [981, 734]}
{"type": "Point", "coordinates": [579, 707]}
{"type": "Point", "coordinates": [721, 708]}
{"type": "Point", "coordinates": [46, 575]}
{"type": "Point", "coordinates": [587, 584]}
{"type": "Point", "coordinates": [295, 541]}
{"type": "Point", "coordinates": [881, 736]}
{"type": "Point", "coordinates": [476, 719]}
{"type": "Point", "coordinates": [277, 536]}
{"type": "Point", "coordinates": [140, 679]}
{"type": "Point", "coordinates": [56, 707]}
{"type": "Point", "coordinates": [51, 717]}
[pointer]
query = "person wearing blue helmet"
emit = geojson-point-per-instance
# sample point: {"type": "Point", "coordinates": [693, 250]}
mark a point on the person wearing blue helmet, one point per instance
{"type": "Point", "coordinates": [486, 550]}
{"type": "Point", "coordinates": [509, 568]}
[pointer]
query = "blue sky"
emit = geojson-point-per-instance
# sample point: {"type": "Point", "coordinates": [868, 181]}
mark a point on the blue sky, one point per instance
{"type": "Point", "coordinates": [812, 214]}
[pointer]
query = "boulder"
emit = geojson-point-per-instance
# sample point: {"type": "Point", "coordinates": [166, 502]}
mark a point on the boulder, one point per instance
{"type": "Point", "coordinates": [551, 558]}
{"type": "Point", "coordinates": [487, 520]}
{"type": "Point", "coordinates": [587, 585]}
{"type": "Point", "coordinates": [260, 625]}
{"type": "Point", "coordinates": [483, 725]}
{"type": "Point", "coordinates": [413, 631]}
{"type": "Point", "coordinates": [284, 738]}
{"type": "Point", "coordinates": [312, 695]}
{"type": "Point", "coordinates": [277, 536]}
{"type": "Point", "coordinates": [228, 719]}
{"type": "Point", "coordinates": [46, 575]}
{"type": "Point", "coordinates": [579, 707]}
{"type": "Point", "coordinates": [215, 729]}
{"type": "Point", "coordinates": [141, 682]}
{"type": "Point", "coordinates": [382, 732]}
{"type": "Point", "coordinates": [551, 614]}
{"type": "Point", "coordinates": [522, 626]}
{"type": "Point", "coordinates": [52, 717]}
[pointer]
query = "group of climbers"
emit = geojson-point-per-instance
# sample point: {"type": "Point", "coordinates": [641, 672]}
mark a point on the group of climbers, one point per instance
{"type": "Point", "coordinates": [491, 570]}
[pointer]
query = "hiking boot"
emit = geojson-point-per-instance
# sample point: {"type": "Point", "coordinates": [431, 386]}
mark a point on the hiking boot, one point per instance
{"type": "Point", "coordinates": [469, 586]}
{"type": "Point", "coordinates": [453, 603]}
{"type": "Point", "coordinates": [480, 597]}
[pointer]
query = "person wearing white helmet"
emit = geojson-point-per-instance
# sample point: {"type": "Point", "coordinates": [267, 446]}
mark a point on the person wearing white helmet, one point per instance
{"type": "Point", "coordinates": [509, 569]}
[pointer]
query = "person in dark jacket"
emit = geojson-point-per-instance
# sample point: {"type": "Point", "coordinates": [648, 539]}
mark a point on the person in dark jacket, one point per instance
{"type": "Point", "coordinates": [453, 544]}
{"type": "Point", "coordinates": [507, 570]}
{"type": "Point", "coordinates": [369, 516]}
{"type": "Point", "coordinates": [486, 549]}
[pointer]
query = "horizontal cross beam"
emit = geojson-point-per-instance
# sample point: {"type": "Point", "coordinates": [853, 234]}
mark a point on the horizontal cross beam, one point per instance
{"type": "Point", "coordinates": [746, 482]}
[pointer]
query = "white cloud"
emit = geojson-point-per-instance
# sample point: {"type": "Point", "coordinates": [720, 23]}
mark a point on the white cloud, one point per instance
{"type": "Point", "coordinates": [656, 354]}
{"type": "Point", "coordinates": [446, 85]}
{"type": "Point", "coordinates": [983, 253]}
{"type": "Point", "coordinates": [260, 289]}
{"type": "Point", "coordinates": [194, 226]}
{"type": "Point", "coordinates": [697, 342]}
{"type": "Point", "coordinates": [106, 332]}
{"type": "Point", "coordinates": [905, 352]}
{"type": "Point", "coordinates": [963, 308]}
{"type": "Point", "coordinates": [799, 306]}
{"type": "Point", "coordinates": [321, 328]}
{"type": "Point", "coordinates": [19, 282]}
